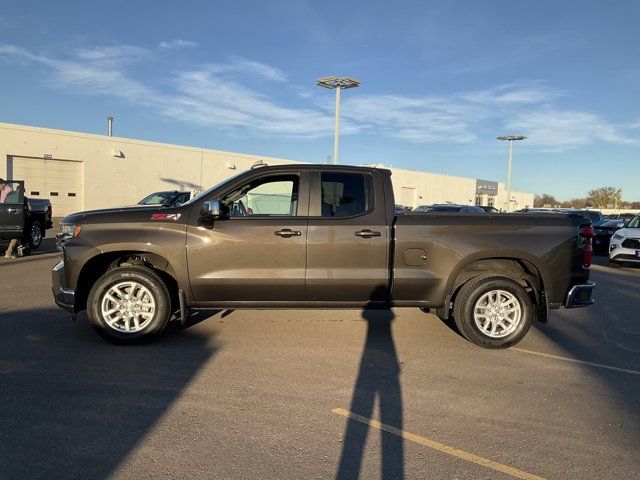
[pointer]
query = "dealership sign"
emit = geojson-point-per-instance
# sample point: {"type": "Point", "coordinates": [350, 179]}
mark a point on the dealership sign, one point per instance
{"type": "Point", "coordinates": [486, 187]}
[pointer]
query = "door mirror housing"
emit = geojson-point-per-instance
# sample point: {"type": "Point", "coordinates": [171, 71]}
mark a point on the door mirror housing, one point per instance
{"type": "Point", "coordinates": [210, 209]}
{"type": "Point", "coordinates": [620, 225]}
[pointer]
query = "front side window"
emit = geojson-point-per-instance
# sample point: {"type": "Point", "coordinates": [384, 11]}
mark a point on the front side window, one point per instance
{"type": "Point", "coordinates": [264, 197]}
{"type": "Point", "coordinates": [344, 194]}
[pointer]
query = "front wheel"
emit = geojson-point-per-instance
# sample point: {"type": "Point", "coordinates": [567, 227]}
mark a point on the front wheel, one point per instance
{"type": "Point", "coordinates": [493, 311]}
{"type": "Point", "coordinates": [129, 304]}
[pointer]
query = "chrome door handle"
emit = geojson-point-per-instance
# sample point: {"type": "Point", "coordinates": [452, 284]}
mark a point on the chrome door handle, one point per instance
{"type": "Point", "coordinates": [287, 233]}
{"type": "Point", "coordinates": [13, 210]}
{"type": "Point", "coordinates": [368, 234]}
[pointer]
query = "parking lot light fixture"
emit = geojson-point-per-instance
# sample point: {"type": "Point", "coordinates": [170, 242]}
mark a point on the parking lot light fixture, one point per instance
{"type": "Point", "coordinates": [337, 83]}
{"type": "Point", "coordinates": [510, 139]}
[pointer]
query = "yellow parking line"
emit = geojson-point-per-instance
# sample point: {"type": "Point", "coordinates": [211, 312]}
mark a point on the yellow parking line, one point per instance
{"type": "Point", "coordinates": [454, 452]}
{"type": "Point", "coordinates": [573, 360]}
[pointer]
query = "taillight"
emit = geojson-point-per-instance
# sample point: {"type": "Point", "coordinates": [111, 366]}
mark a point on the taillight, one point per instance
{"type": "Point", "coordinates": [587, 250]}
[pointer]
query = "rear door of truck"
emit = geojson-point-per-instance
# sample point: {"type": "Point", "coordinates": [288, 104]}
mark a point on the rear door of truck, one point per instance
{"type": "Point", "coordinates": [348, 237]}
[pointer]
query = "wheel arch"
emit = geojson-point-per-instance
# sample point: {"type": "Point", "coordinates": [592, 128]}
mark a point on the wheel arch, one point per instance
{"type": "Point", "coordinates": [100, 263]}
{"type": "Point", "coordinates": [527, 269]}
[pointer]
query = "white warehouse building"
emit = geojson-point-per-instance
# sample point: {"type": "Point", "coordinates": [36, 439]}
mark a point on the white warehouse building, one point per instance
{"type": "Point", "coordinates": [79, 171]}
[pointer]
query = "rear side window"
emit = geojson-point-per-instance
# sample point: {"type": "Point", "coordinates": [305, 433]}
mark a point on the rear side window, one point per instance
{"type": "Point", "coordinates": [345, 194]}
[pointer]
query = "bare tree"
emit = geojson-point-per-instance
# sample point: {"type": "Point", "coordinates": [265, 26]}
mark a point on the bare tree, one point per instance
{"type": "Point", "coordinates": [604, 197]}
{"type": "Point", "coordinates": [544, 199]}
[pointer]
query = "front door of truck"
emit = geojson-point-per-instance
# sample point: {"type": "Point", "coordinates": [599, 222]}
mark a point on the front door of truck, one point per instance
{"type": "Point", "coordinates": [12, 212]}
{"type": "Point", "coordinates": [348, 238]}
{"type": "Point", "coordinates": [256, 251]}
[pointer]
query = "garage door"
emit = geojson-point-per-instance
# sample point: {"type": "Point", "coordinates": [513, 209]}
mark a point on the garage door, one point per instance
{"type": "Point", "coordinates": [61, 181]}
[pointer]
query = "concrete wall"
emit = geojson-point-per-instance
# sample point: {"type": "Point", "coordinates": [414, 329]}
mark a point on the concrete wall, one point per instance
{"type": "Point", "coordinates": [433, 188]}
{"type": "Point", "coordinates": [121, 171]}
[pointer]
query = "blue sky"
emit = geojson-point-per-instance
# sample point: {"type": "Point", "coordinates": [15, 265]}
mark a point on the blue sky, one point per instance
{"type": "Point", "coordinates": [440, 81]}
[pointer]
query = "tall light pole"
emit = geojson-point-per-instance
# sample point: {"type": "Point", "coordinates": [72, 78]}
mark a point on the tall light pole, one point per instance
{"type": "Point", "coordinates": [510, 139]}
{"type": "Point", "coordinates": [337, 83]}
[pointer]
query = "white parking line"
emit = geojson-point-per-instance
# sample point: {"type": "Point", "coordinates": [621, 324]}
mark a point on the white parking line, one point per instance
{"type": "Point", "coordinates": [574, 360]}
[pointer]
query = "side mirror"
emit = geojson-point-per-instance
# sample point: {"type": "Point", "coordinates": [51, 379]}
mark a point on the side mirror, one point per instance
{"type": "Point", "coordinates": [210, 208]}
{"type": "Point", "coordinates": [620, 225]}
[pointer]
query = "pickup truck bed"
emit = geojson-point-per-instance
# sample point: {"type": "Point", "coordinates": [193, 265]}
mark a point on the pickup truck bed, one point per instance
{"type": "Point", "coordinates": [301, 236]}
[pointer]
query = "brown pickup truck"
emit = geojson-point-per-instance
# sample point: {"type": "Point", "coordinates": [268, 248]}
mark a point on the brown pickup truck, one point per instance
{"type": "Point", "coordinates": [320, 237]}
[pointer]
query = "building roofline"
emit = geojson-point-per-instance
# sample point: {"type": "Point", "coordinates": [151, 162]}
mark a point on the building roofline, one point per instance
{"type": "Point", "coordinates": [133, 141]}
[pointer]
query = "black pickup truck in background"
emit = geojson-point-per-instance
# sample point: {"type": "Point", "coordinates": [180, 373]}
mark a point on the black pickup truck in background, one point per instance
{"type": "Point", "coordinates": [317, 236]}
{"type": "Point", "coordinates": [24, 218]}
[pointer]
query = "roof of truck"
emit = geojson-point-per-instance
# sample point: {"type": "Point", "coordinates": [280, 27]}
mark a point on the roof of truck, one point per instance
{"type": "Point", "coordinates": [318, 166]}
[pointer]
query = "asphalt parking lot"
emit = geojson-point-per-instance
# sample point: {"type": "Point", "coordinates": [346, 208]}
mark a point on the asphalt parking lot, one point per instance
{"type": "Point", "coordinates": [318, 394]}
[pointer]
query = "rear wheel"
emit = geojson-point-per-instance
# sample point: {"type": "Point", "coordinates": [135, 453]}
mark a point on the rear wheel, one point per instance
{"type": "Point", "coordinates": [493, 311]}
{"type": "Point", "coordinates": [129, 304]}
{"type": "Point", "coordinates": [36, 235]}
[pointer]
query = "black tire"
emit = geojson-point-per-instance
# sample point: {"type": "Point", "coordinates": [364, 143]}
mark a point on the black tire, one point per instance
{"type": "Point", "coordinates": [465, 303]}
{"type": "Point", "coordinates": [36, 235]}
{"type": "Point", "coordinates": [140, 275]}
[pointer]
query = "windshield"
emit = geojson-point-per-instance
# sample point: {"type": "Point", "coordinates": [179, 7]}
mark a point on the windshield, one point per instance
{"type": "Point", "coordinates": [216, 186]}
{"type": "Point", "coordinates": [634, 222]}
{"type": "Point", "coordinates": [159, 198]}
{"type": "Point", "coordinates": [595, 217]}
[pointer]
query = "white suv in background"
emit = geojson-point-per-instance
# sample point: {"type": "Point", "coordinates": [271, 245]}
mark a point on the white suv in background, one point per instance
{"type": "Point", "coordinates": [625, 243]}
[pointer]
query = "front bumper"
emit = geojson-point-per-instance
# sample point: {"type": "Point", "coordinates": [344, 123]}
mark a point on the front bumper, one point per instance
{"type": "Point", "coordinates": [580, 295]}
{"type": "Point", "coordinates": [63, 297]}
{"type": "Point", "coordinates": [622, 254]}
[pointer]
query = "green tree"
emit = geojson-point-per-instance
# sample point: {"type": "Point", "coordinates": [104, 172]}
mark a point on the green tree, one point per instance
{"type": "Point", "coordinates": [604, 196]}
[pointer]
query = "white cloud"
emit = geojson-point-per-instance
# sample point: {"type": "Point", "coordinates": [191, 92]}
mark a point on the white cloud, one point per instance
{"type": "Point", "coordinates": [115, 52]}
{"type": "Point", "coordinates": [218, 95]}
{"type": "Point", "coordinates": [209, 96]}
{"type": "Point", "coordinates": [560, 130]}
{"type": "Point", "coordinates": [242, 65]}
{"type": "Point", "coordinates": [176, 44]}
{"type": "Point", "coordinates": [414, 119]}
{"type": "Point", "coordinates": [518, 93]}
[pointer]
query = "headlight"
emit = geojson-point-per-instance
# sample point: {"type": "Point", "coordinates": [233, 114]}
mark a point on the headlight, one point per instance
{"type": "Point", "coordinates": [70, 231]}
{"type": "Point", "coordinates": [617, 236]}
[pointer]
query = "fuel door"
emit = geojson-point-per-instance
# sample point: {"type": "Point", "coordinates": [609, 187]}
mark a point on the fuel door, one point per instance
{"type": "Point", "coordinates": [415, 257]}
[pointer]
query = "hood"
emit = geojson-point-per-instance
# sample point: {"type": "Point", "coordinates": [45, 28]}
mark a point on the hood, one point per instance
{"type": "Point", "coordinates": [629, 232]}
{"type": "Point", "coordinates": [137, 213]}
